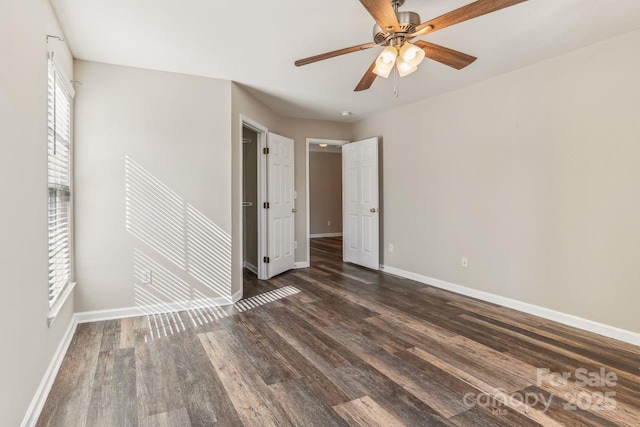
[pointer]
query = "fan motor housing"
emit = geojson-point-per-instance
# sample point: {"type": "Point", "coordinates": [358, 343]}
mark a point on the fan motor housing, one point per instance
{"type": "Point", "coordinates": [408, 22]}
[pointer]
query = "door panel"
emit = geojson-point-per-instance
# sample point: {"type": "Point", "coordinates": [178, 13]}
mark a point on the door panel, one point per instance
{"type": "Point", "coordinates": [280, 215]}
{"type": "Point", "coordinates": [361, 198]}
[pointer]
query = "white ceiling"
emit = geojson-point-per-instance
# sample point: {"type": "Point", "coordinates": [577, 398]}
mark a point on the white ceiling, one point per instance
{"type": "Point", "coordinates": [255, 42]}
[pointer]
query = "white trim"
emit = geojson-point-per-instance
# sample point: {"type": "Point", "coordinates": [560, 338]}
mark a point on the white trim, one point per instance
{"type": "Point", "coordinates": [62, 299]}
{"type": "Point", "coordinates": [40, 397]}
{"type": "Point", "coordinates": [123, 313]}
{"type": "Point", "coordinates": [101, 315]}
{"type": "Point", "coordinates": [307, 143]}
{"type": "Point", "coordinates": [67, 86]}
{"type": "Point", "coordinates": [301, 265]}
{"type": "Point", "coordinates": [252, 268]}
{"type": "Point", "coordinates": [546, 313]}
{"type": "Point", "coordinates": [321, 235]}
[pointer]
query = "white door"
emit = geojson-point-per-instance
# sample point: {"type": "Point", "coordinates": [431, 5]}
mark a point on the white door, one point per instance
{"type": "Point", "coordinates": [280, 213]}
{"type": "Point", "coordinates": [361, 220]}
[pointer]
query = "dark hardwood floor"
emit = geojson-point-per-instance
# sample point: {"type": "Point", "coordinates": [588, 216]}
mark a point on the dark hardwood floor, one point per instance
{"type": "Point", "coordinates": [352, 347]}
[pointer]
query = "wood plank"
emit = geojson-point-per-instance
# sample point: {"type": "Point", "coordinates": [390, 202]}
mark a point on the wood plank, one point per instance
{"type": "Point", "coordinates": [364, 380]}
{"type": "Point", "coordinates": [251, 397]}
{"type": "Point", "coordinates": [205, 398]}
{"type": "Point", "coordinates": [70, 396]}
{"type": "Point", "coordinates": [127, 333]}
{"type": "Point", "coordinates": [364, 412]}
{"type": "Point", "coordinates": [156, 379]}
{"type": "Point", "coordinates": [447, 401]}
{"type": "Point", "coordinates": [302, 405]}
{"type": "Point", "coordinates": [175, 418]}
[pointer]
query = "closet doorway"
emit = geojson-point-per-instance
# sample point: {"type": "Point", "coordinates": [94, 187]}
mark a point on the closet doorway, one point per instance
{"type": "Point", "coordinates": [250, 210]}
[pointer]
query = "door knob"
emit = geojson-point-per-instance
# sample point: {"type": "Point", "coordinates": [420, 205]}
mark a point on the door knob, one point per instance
{"type": "Point", "coordinates": [294, 210]}
{"type": "Point", "coordinates": [373, 210]}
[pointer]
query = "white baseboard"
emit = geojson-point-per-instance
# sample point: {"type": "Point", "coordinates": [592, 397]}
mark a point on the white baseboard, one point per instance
{"type": "Point", "coordinates": [320, 236]}
{"type": "Point", "coordinates": [301, 264]}
{"type": "Point", "coordinates": [546, 313]}
{"type": "Point", "coordinates": [252, 268]}
{"type": "Point", "coordinates": [123, 313]}
{"type": "Point", "coordinates": [39, 399]}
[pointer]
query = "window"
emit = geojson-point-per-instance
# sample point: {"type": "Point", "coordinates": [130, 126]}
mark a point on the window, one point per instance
{"type": "Point", "coordinates": [60, 95]}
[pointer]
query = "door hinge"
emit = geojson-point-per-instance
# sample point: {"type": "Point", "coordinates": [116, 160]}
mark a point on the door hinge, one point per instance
{"type": "Point", "coordinates": [265, 150]}
{"type": "Point", "coordinates": [266, 260]}
{"type": "Point", "coordinates": [266, 205]}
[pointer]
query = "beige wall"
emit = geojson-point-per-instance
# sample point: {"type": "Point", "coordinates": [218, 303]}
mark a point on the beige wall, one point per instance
{"type": "Point", "coordinates": [250, 194]}
{"type": "Point", "coordinates": [325, 192]}
{"type": "Point", "coordinates": [153, 174]}
{"type": "Point", "coordinates": [28, 345]}
{"type": "Point", "coordinates": [299, 130]}
{"type": "Point", "coordinates": [533, 175]}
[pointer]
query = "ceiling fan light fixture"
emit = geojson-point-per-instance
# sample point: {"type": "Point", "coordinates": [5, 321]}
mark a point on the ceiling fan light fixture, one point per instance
{"type": "Point", "coordinates": [411, 54]}
{"type": "Point", "coordinates": [405, 68]}
{"type": "Point", "coordinates": [393, 28]}
{"type": "Point", "coordinates": [385, 62]}
{"type": "Point", "coordinates": [383, 70]}
{"type": "Point", "coordinates": [388, 55]}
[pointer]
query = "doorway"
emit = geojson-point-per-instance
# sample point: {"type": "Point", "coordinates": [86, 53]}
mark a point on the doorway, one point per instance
{"type": "Point", "coordinates": [324, 190]}
{"type": "Point", "coordinates": [268, 204]}
{"type": "Point", "coordinates": [250, 200]}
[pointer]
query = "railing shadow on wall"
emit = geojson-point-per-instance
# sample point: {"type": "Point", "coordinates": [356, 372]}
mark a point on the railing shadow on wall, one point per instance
{"type": "Point", "coordinates": [182, 271]}
{"type": "Point", "coordinates": [189, 265]}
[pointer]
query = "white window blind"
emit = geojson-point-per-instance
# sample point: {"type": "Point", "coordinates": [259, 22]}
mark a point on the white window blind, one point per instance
{"type": "Point", "coordinates": [59, 179]}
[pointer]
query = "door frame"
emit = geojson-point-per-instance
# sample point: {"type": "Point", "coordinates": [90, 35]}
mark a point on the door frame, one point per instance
{"type": "Point", "coordinates": [246, 122]}
{"type": "Point", "coordinates": [338, 142]}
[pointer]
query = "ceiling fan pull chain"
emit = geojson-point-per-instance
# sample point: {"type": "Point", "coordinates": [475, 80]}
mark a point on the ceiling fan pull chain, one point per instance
{"type": "Point", "coordinates": [395, 82]}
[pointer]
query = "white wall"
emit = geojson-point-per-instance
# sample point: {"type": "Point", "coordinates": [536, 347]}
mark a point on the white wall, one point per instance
{"type": "Point", "coordinates": [28, 344]}
{"type": "Point", "coordinates": [533, 175]}
{"type": "Point", "coordinates": [153, 186]}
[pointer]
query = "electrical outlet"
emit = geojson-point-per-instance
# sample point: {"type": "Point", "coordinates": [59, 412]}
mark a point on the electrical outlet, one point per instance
{"type": "Point", "coordinates": [464, 262]}
{"type": "Point", "coordinates": [147, 277]}
{"type": "Point", "coordinates": [390, 247]}
{"type": "Point", "coordinates": [329, 223]}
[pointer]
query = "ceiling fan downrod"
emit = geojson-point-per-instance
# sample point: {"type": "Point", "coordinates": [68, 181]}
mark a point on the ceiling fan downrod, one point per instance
{"type": "Point", "coordinates": [396, 4]}
{"type": "Point", "coordinates": [408, 21]}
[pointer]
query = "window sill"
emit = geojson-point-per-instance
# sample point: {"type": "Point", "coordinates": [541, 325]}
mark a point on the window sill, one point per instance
{"type": "Point", "coordinates": [53, 311]}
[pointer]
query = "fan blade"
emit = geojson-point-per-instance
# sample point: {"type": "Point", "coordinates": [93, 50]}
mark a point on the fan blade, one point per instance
{"type": "Point", "coordinates": [452, 58]}
{"type": "Point", "coordinates": [328, 55]}
{"type": "Point", "coordinates": [470, 11]}
{"type": "Point", "coordinates": [383, 13]}
{"type": "Point", "coordinates": [367, 79]}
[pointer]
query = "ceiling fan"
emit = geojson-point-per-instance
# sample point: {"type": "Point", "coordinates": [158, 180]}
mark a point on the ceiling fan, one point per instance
{"type": "Point", "coordinates": [395, 29]}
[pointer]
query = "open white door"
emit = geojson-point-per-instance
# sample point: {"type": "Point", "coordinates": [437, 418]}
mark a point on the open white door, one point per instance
{"type": "Point", "coordinates": [281, 208]}
{"type": "Point", "coordinates": [361, 220]}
